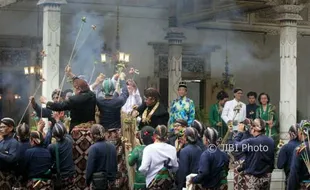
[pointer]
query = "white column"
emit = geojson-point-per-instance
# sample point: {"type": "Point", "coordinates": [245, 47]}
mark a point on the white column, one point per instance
{"type": "Point", "coordinates": [288, 16]}
{"type": "Point", "coordinates": [51, 44]}
{"type": "Point", "coordinates": [174, 37]}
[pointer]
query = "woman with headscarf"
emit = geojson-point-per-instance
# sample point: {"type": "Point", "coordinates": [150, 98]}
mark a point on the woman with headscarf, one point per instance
{"type": "Point", "coordinates": [135, 157]}
{"type": "Point", "coordinates": [213, 165]}
{"type": "Point", "coordinates": [189, 157]}
{"type": "Point", "coordinates": [63, 149]}
{"type": "Point", "coordinates": [216, 112]}
{"type": "Point", "coordinates": [200, 129]}
{"type": "Point", "coordinates": [38, 162]}
{"type": "Point", "coordinates": [159, 160]}
{"type": "Point", "coordinates": [287, 151]}
{"type": "Point", "coordinates": [102, 161]}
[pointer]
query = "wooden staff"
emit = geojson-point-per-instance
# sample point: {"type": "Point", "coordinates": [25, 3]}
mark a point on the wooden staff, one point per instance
{"type": "Point", "coordinates": [93, 28]}
{"type": "Point", "coordinates": [69, 62]}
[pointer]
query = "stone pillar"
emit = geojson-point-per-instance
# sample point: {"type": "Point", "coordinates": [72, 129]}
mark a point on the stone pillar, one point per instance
{"type": "Point", "coordinates": [51, 44]}
{"type": "Point", "coordinates": [174, 37]}
{"type": "Point", "coordinates": [288, 15]}
{"type": "Point", "coordinates": [208, 82]}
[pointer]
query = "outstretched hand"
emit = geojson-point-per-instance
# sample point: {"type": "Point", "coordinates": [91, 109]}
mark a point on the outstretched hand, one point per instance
{"type": "Point", "coordinates": [100, 78]}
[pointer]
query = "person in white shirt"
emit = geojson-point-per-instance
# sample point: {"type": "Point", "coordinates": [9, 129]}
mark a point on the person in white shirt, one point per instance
{"type": "Point", "coordinates": [134, 98]}
{"type": "Point", "coordinates": [155, 156]}
{"type": "Point", "coordinates": [234, 110]}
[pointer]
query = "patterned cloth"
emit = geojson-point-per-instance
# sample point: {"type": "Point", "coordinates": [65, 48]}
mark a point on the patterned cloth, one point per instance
{"type": "Point", "coordinates": [163, 180]}
{"type": "Point", "coordinates": [182, 108]}
{"type": "Point", "coordinates": [68, 183]}
{"type": "Point", "coordinates": [135, 158]}
{"type": "Point", "coordinates": [114, 137]}
{"type": "Point", "coordinates": [257, 183]}
{"type": "Point", "coordinates": [266, 116]}
{"type": "Point", "coordinates": [37, 184]}
{"type": "Point", "coordinates": [111, 186]}
{"type": "Point", "coordinates": [222, 187]}
{"type": "Point", "coordinates": [7, 180]}
{"type": "Point", "coordinates": [82, 142]}
{"type": "Point", "coordinates": [215, 117]}
{"type": "Point", "coordinates": [239, 179]}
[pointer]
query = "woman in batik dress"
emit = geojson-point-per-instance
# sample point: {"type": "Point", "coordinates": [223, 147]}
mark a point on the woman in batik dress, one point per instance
{"type": "Point", "coordinates": [135, 157]}
{"type": "Point", "coordinates": [216, 112]}
{"type": "Point", "coordinates": [267, 112]}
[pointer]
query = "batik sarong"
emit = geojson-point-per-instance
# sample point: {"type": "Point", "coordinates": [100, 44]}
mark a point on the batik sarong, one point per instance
{"type": "Point", "coordinates": [114, 137]}
{"type": "Point", "coordinates": [38, 184]}
{"type": "Point", "coordinates": [257, 183]}
{"type": "Point", "coordinates": [111, 186]}
{"type": "Point", "coordinates": [7, 180]}
{"type": "Point", "coordinates": [164, 179]}
{"type": "Point", "coordinates": [68, 183]}
{"type": "Point", "coordinates": [239, 180]}
{"type": "Point", "coordinates": [82, 142]}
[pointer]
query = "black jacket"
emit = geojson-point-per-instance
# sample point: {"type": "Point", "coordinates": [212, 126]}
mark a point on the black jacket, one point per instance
{"type": "Point", "coordinates": [81, 106]}
{"type": "Point", "coordinates": [159, 117]}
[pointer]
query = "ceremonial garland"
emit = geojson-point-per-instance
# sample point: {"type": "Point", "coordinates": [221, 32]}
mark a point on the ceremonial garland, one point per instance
{"type": "Point", "coordinates": [146, 118]}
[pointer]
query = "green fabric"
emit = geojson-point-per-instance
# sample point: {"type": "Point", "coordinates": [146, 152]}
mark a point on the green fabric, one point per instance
{"type": "Point", "coordinates": [135, 157]}
{"type": "Point", "coordinates": [108, 87]}
{"type": "Point", "coordinates": [215, 117]}
{"type": "Point", "coordinates": [265, 115]}
{"type": "Point", "coordinates": [162, 174]}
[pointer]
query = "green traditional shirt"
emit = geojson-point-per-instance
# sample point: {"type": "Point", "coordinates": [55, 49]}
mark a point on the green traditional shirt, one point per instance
{"type": "Point", "coordinates": [135, 158]}
{"type": "Point", "coordinates": [215, 117]}
{"type": "Point", "coordinates": [266, 116]}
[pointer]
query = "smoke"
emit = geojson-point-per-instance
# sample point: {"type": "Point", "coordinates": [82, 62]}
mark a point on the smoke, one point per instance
{"type": "Point", "coordinates": [89, 45]}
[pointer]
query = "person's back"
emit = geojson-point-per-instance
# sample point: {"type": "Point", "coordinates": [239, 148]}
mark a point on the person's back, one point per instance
{"type": "Point", "coordinates": [154, 158]}
{"type": "Point", "coordinates": [188, 162]}
{"type": "Point", "coordinates": [213, 167]}
{"type": "Point", "coordinates": [101, 158]}
{"type": "Point", "coordinates": [83, 108]}
{"type": "Point", "coordinates": [38, 162]}
{"type": "Point", "coordinates": [110, 108]}
{"type": "Point", "coordinates": [259, 162]}
{"type": "Point", "coordinates": [66, 164]}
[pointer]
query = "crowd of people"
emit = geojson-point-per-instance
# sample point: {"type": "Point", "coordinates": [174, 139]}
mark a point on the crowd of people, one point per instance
{"type": "Point", "coordinates": [173, 150]}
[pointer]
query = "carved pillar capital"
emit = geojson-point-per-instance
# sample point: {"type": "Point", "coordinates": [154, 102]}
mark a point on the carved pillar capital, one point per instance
{"type": "Point", "coordinates": [288, 12]}
{"type": "Point", "coordinates": [175, 36]}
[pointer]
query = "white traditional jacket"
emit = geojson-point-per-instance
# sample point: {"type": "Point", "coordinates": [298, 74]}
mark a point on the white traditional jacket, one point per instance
{"type": "Point", "coordinates": [229, 112]}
